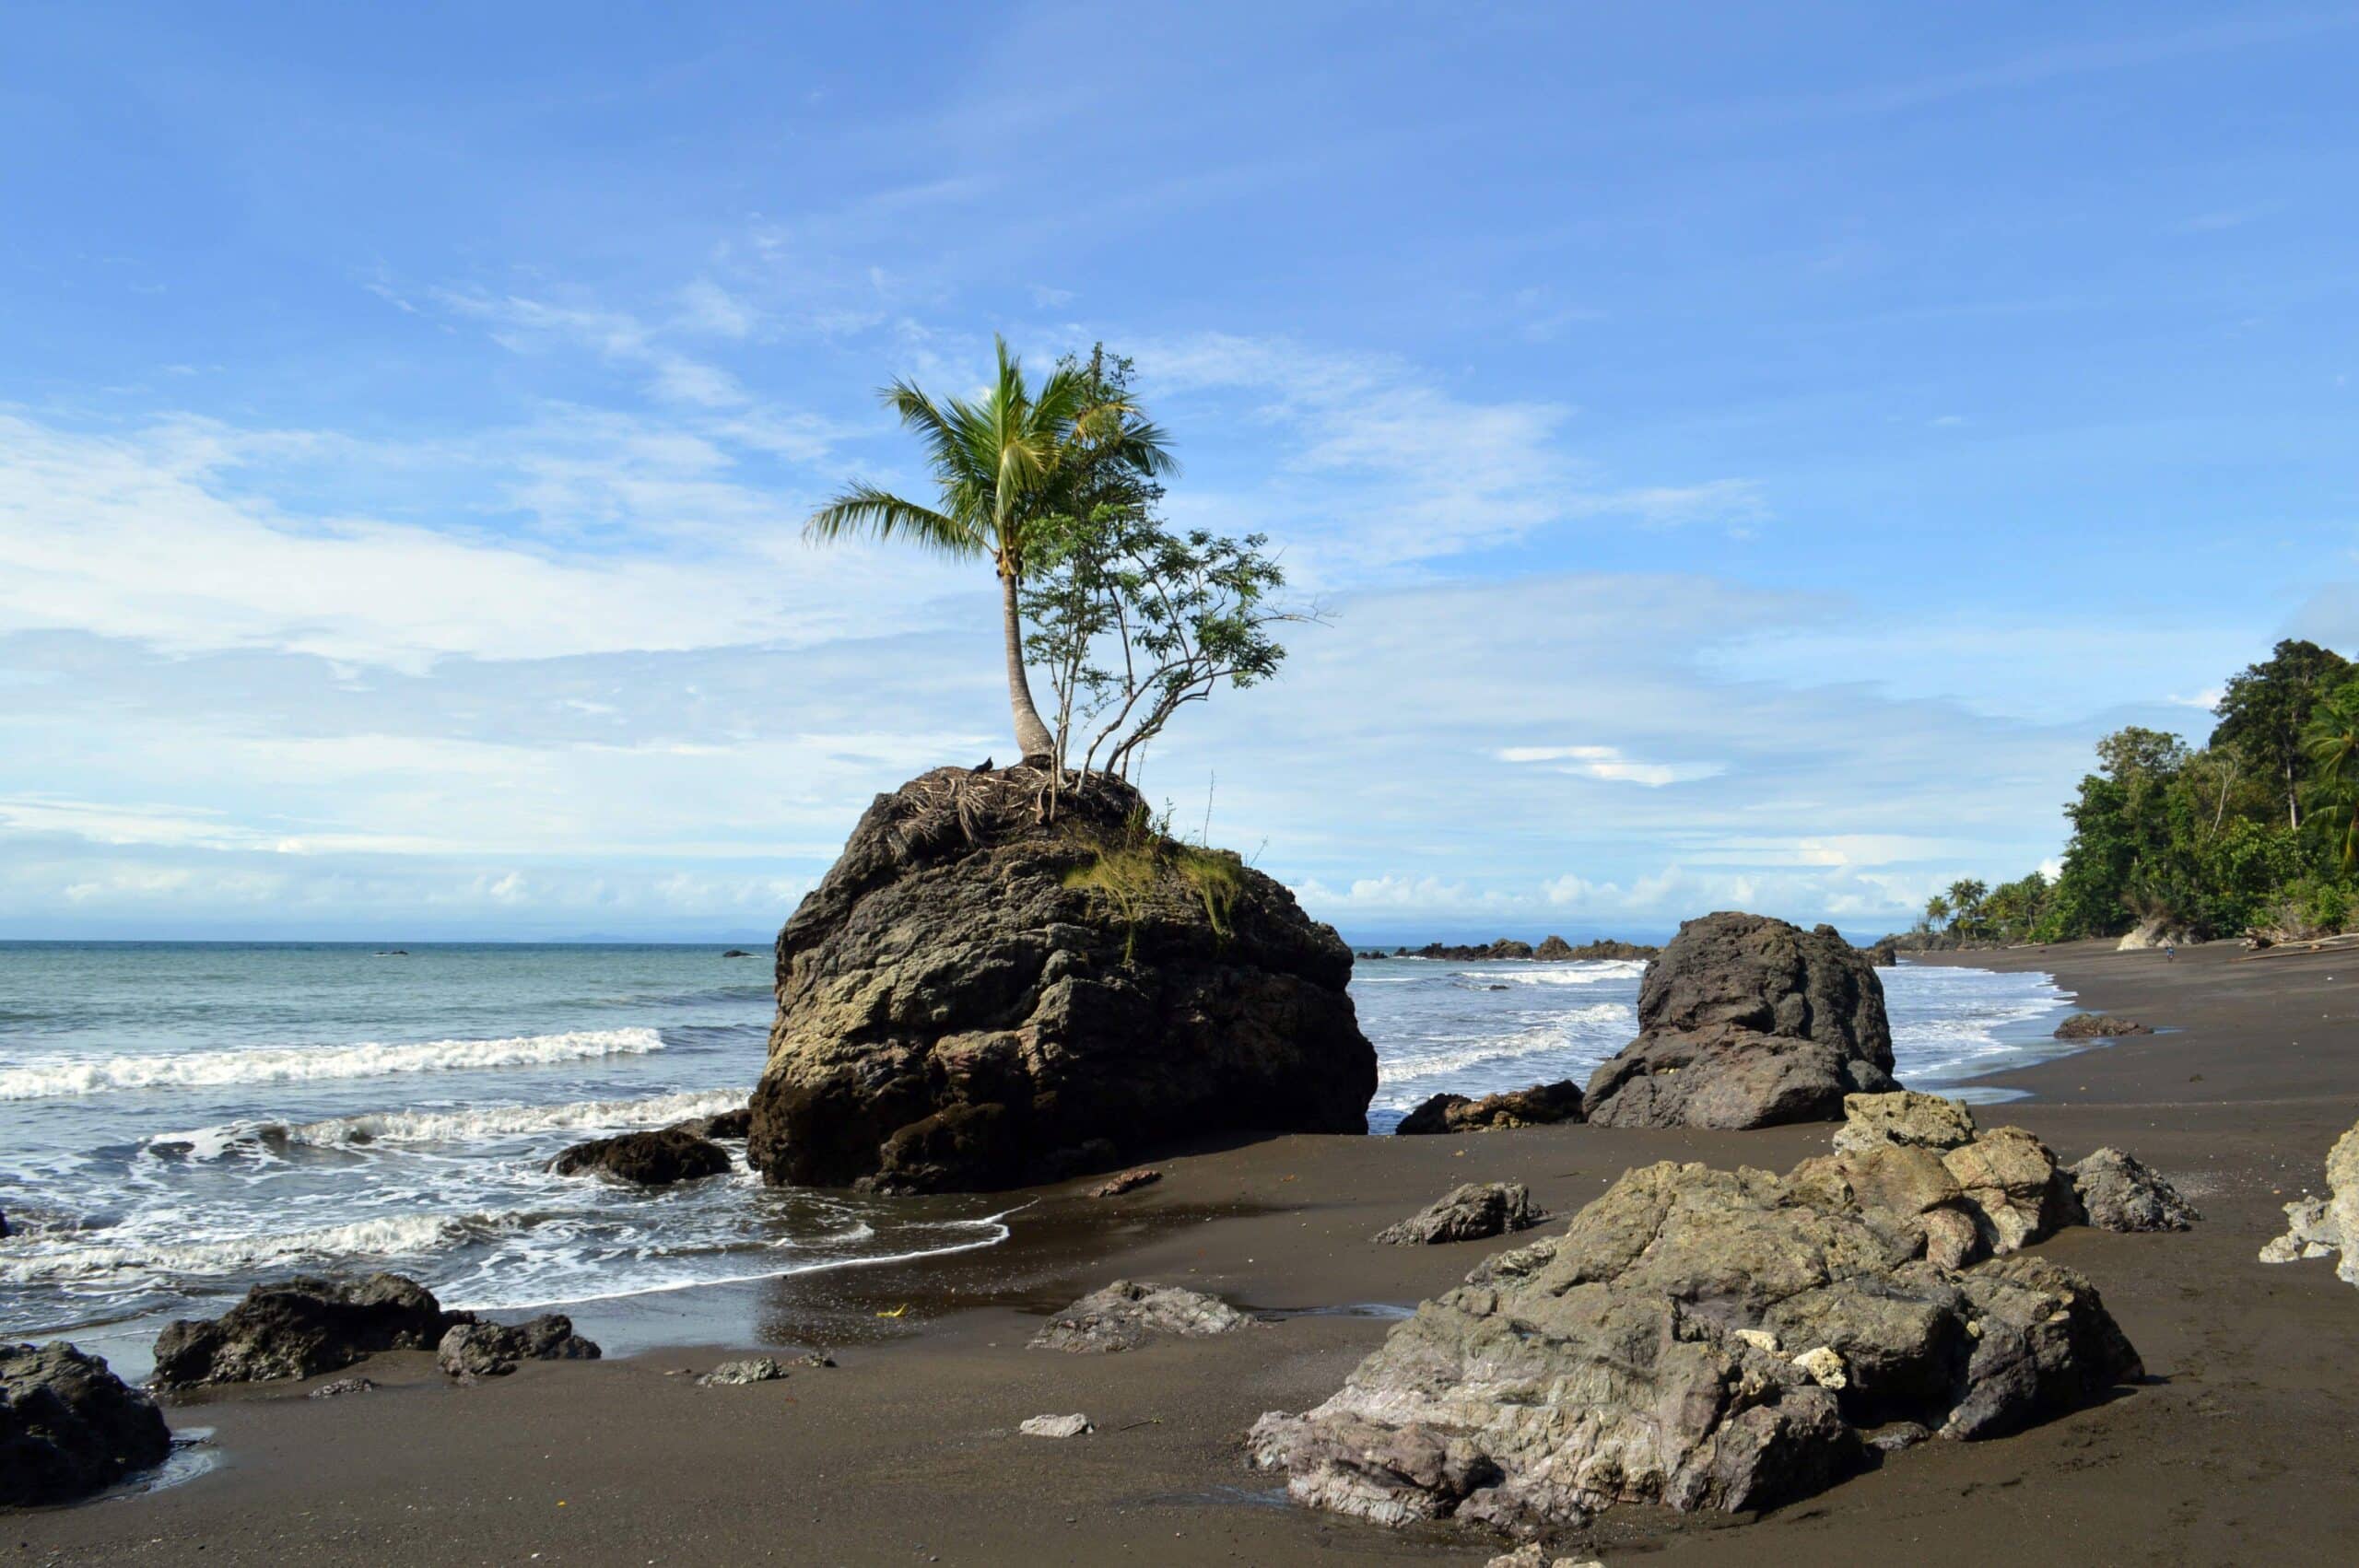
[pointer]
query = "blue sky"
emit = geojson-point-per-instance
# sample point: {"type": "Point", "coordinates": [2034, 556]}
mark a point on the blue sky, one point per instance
{"type": "Point", "coordinates": [1749, 455]}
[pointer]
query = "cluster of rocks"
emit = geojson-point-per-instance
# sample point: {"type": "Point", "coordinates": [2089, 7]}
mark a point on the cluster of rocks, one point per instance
{"type": "Point", "coordinates": [1469, 1213]}
{"type": "Point", "coordinates": [1746, 1021]}
{"type": "Point", "coordinates": [2321, 1227]}
{"type": "Point", "coordinates": [1713, 1339]}
{"type": "Point", "coordinates": [1549, 950]}
{"type": "Point", "coordinates": [989, 988]}
{"type": "Point", "coordinates": [1128, 1313]}
{"type": "Point", "coordinates": [2099, 1027]}
{"type": "Point", "coordinates": [304, 1326]}
{"type": "Point", "coordinates": [69, 1426]}
{"type": "Point", "coordinates": [1542, 1105]}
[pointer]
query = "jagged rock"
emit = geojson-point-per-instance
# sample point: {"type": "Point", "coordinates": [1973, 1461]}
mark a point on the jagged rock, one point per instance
{"type": "Point", "coordinates": [646, 1159]}
{"type": "Point", "coordinates": [1883, 955]}
{"type": "Point", "coordinates": [1618, 1368]}
{"type": "Point", "coordinates": [301, 1328]}
{"type": "Point", "coordinates": [492, 1349]}
{"type": "Point", "coordinates": [2014, 1187]}
{"type": "Point", "coordinates": [731, 1124]}
{"type": "Point", "coordinates": [976, 996]}
{"type": "Point", "coordinates": [1471, 1212]}
{"type": "Point", "coordinates": [1539, 1106]}
{"type": "Point", "coordinates": [1921, 1121]}
{"type": "Point", "coordinates": [1532, 1555]}
{"type": "Point", "coordinates": [735, 1373]}
{"type": "Point", "coordinates": [2099, 1027]}
{"type": "Point", "coordinates": [69, 1426]}
{"type": "Point", "coordinates": [2121, 1193]}
{"type": "Point", "coordinates": [1127, 1313]}
{"type": "Point", "coordinates": [1074, 1425]}
{"type": "Point", "coordinates": [2318, 1227]}
{"type": "Point", "coordinates": [341, 1386]}
{"type": "Point", "coordinates": [1748, 1022]}
{"type": "Point", "coordinates": [1129, 1181]}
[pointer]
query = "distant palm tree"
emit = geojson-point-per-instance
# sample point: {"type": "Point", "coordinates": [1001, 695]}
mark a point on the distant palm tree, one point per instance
{"type": "Point", "coordinates": [1937, 909]}
{"type": "Point", "coordinates": [2331, 739]}
{"type": "Point", "coordinates": [1004, 466]}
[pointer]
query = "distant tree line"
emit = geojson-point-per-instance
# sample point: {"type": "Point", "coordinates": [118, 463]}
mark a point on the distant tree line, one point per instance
{"type": "Point", "coordinates": [2257, 831]}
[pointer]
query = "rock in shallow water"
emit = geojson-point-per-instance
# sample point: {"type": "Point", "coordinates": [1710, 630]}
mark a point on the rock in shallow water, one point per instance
{"type": "Point", "coordinates": [493, 1350]}
{"type": "Point", "coordinates": [1539, 1106]}
{"type": "Point", "coordinates": [1631, 1359]}
{"type": "Point", "coordinates": [1746, 1021]}
{"type": "Point", "coordinates": [70, 1427]}
{"type": "Point", "coordinates": [301, 1328]}
{"type": "Point", "coordinates": [646, 1159]}
{"type": "Point", "coordinates": [978, 996]}
{"type": "Point", "coordinates": [1471, 1212]}
{"type": "Point", "coordinates": [2098, 1027]}
{"type": "Point", "coordinates": [1127, 1313]}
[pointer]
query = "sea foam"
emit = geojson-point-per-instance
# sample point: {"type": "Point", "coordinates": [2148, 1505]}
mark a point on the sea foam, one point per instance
{"type": "Point", "coordinates": [56, 1076]}
{"type": "Point", "coordinates": [477, 1124]}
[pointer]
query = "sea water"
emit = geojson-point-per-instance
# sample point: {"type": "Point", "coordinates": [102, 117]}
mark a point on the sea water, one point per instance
{"type": "Point", "coordinates": [179, 1120]}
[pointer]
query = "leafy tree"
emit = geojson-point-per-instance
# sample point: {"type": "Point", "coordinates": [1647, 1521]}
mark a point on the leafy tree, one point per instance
{"type": "Point", "coordinates": [2265, 712]}
{"type": "Point", "coordinates": [1005, 466]}
{"type": "Point", "coordinates": [1937, 912]}
{"type": "Point", "coordinates": [2331, 739]}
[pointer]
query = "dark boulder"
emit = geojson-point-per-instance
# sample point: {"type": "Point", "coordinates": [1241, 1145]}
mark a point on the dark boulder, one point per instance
{"type": "Point", "coordinates": [982, 993]}
{"type": "Point", "coordinates": [1539, 1106]}
{"type": "Point", "coordinates": [732, 1125]}
{"type": "Point", "coordinates": [646, 1159]}
{"type": "Point", "coordinates": [70, 1427]}
{"type": "Point", "coordinates": [2099, 1027]}
{"type": "Point", "coordinates": [1471, 1212]}
{"type": "Point", "coordinates": [301, 1328]}
{"type": "Point", "coordinates": [1746, 1021]}
{"type": "Point", "coordinates": [493, 1350]}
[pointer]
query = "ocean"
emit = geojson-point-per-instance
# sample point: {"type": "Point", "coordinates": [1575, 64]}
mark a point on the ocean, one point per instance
{"type": "Point", "coordinates": [179, 1120]}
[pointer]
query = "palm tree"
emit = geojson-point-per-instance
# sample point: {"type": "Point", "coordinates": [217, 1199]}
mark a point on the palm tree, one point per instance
{"type": "Point", "coordinates": [1006, 467]}
{"type": "Point", "coordinates": [1937, 909]}
{"type": "Point", "coordinates": [2332, 739]}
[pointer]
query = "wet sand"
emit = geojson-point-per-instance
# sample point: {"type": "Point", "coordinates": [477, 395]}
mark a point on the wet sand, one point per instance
{"type": "Point", "coordinates": [2241, 1447]}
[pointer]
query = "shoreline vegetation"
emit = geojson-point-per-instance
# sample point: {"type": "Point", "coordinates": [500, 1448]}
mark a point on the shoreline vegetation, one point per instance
{"type": "Point", "coordinates": [2253, 835]}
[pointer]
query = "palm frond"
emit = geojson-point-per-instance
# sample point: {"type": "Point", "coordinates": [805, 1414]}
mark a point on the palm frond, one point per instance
{"type": "Point", "coordinates": [864, 511]}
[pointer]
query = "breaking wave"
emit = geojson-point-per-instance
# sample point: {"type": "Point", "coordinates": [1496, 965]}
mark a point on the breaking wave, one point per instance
{"type": "Point", "coordinates": [474, 1125]}
{"type": "Point", "coordinates": [45, 1079]}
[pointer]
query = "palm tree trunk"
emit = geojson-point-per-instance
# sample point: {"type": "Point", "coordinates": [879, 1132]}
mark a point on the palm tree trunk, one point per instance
{"type": "Point", "coordinates": [1032, 736]}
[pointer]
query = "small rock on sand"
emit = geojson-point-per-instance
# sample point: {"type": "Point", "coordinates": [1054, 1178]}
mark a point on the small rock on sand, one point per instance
{"type": "Point", "coordinates": [1128, 1313]}
{"type": "Point", "coordinates": [2099, 1027]}
{"type": "Point", "coordinates": [1531, 1555]}
{"type": "Point", "coordinates": [1129, 1181]}
{"type": "Point", "coordinates": [731, 1373]}
{"type": "Point", "coordinates": [1056, 1426]}
{"type": "Point", "coordinates": [1469, 1213]}
{"type": "Point", "coordinates": [342, 1386]}
{"type": "Point", "coordinates": [2121, 1192]}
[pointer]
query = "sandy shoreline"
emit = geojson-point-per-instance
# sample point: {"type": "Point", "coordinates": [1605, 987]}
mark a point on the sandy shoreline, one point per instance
{"type": "Point", "coordinates": [2238, 1448]}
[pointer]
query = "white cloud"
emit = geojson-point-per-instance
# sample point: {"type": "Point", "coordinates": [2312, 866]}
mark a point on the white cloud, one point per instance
{"type": "Point", "coordinates": [1607, 762]}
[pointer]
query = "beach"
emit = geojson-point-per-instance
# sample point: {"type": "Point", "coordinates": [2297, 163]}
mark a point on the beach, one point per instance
{"type": "Point", "coordinates": [2235, 1448]}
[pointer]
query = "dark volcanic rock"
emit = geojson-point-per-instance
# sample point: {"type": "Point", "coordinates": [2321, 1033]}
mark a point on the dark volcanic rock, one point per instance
{"type": "Point", "coordinates": [1698, 1339]}
{"type": "Point", "coordinates": [492, 1349]}
{"type": "Point", "coordinates": [733, 1125]}
{"type": "Point", "coordinates": [647, 1159]}
{"type": "Point", "coordinates": [300, 1327]}
{"type": "Point", "coordinates": [1127, 1313]}
{"type": "Point", "coordinates": [1539, 1106]}
{"type": "Point", "coordinates": [70, 1427]}
{"type": "Point", "coordinates": [1746, 1021]}
{"type": "Point", "coordinates": [976, 997]}
{"type": "Point", "coordinates": [1471, 1212]}
{"type": "Point", "coordinates": [2118, 1191]}
{"type": "Point", "coordinates": [2098, 1027]}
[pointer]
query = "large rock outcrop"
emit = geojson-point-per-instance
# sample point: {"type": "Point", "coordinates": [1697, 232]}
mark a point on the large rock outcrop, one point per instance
{"type": "Point", "coordinates": [1746, 1021]}
{"type": "Point", "coordinates": [980, 995]}
{"type": "Point", "coordinates": [70, 1427]}
{"type": "Point", "coordinates": [1700, 1339]}
{"type": "Point", "coordinates": [301, 1328]}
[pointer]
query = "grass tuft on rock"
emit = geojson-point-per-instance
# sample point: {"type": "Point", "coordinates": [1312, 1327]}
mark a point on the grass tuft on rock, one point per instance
{"type": "Point", "coordinates": [1130, 871]}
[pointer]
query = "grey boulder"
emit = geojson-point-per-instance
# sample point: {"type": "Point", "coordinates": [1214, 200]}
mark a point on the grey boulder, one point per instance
{"type": "Point", "coordinates": [1127, 1313]}
{"type": "Point", "coordinates": [301, 1328]}
{"type": "Point", "coordinates": [2121, 1193]}
{"type": "Point", "coordinates": [493, 1350]}
{"type": "Point", "coordinates": [1469, 1213]}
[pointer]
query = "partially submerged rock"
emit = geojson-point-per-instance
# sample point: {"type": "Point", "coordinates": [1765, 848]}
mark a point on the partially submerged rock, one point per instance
{"type": "Point", "coordinates": [2121, 1193]}
{"type": "Point", "coordinates": [2317, 1227]}
{"type": "Point", "coordinates": [731, 1124]}
{"type": "Point", "coordinates": [735, 1373]}
{"type": "Point", "coordinates": [70, 1427]}
{"type": "Point", "coordinates": [1745, 1022]}
{"type": "Point", "coordinates": [1636, 1361]}
{"type": "Point", "coordinates": [301, 1328]}
{"type": "Point", "coordinates": [493, 1350]}
{"type": "Point", "coordinates": [1539, 1106]}
{"type": "Point", "coordinates": [982, 995]}
{"type": "Point", "coordinates": [646, 1159]}
{"type": "Point", "coordinates": [2099, 1027]}
{"type": "Point", "coordinates": [1127, 1313]}
{"type": "Point", "coordinates": [1471, 1212]}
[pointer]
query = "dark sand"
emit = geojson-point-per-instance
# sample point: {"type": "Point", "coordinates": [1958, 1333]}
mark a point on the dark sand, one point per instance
{"type": "Point", "coordinates": [2241, 1446]}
